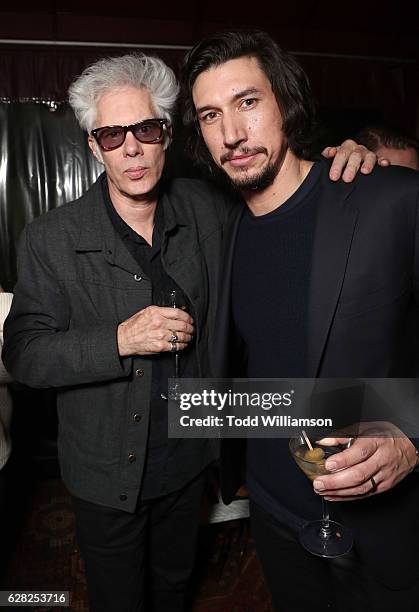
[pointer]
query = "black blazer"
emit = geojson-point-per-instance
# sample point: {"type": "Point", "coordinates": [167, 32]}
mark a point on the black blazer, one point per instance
{"type": "Point", "coordinates": [363, 321]}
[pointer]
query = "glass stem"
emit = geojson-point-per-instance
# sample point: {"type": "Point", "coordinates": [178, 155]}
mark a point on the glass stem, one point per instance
{"type": "Point", "coordinates": [325, 530]}
{"type": "Point", "coordinates": [177, 356]}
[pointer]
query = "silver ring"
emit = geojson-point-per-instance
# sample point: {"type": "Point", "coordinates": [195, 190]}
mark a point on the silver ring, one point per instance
{"type": "Point", "coordinates": [374, 484]}
{"type": "Point", "coordinates": [173, 338]}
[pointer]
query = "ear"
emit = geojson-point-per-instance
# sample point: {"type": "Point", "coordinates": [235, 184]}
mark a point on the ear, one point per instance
{"type": "Point", "coordinates": [94, 147]}
{"type": "Point", "coordinates": [169, 136]}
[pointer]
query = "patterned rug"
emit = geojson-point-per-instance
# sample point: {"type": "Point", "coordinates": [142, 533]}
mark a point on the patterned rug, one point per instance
{"type": "Point", "coordinates": [45, 557]}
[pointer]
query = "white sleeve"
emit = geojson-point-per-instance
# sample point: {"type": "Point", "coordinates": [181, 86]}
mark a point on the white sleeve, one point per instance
{"type": "Point", "coordinates": [5, 303]}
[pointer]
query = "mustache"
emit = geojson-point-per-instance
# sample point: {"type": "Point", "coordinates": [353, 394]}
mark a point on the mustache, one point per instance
{"type": "Point", "coordinates": [242, 151]}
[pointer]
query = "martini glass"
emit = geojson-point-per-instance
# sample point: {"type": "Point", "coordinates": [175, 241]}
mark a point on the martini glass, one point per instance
{"type": "Point", "coordinates": [324, 538]}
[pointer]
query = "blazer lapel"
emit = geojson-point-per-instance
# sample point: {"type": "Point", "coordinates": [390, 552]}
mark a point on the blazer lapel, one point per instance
{"type": "Point", "coordinates": [335, 226]}
{"type": "Point", "coordinates": [222, 349]}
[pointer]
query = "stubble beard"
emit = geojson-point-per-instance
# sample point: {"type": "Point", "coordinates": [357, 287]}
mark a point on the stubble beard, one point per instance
{"type": "Point", "coordinates": [257, 182]}
{"type": "Point", "coordinates": [246, 182]}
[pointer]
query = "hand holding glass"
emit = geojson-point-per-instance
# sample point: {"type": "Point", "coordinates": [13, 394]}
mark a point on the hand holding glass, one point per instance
{"type": "Point", "coordinates": [324, 537]}
{"type": "Point", "coordinates": [174, 299]}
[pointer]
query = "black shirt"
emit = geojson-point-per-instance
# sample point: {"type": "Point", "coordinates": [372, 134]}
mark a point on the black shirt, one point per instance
{"type": "Point", "coordinates": [155, 482]}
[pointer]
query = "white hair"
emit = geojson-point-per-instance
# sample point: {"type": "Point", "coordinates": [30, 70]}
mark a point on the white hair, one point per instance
{"type": "Point", "coordinates": [137, 70]}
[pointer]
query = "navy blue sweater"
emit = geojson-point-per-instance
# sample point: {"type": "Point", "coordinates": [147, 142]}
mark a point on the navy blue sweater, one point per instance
{"type": "Point", "coordinates": [270, 284]}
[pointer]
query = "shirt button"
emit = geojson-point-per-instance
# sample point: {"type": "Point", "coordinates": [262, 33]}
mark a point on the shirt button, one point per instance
{"type": "Point", "coordinates": [137, 417]}
{"type": "Point", "coordinates": [138, 278]}
{"type": "Point", "coordinates": [139, 372]}
{"type": "Point", "coordinates": [123, 497]}
{"type": "Point", "coordinates": [132, 457]}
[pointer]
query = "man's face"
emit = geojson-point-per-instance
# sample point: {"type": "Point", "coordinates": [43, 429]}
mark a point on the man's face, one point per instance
{"type": "Point", "coordinates": [240, 122]}
{"type": "Point", "coordinates": [400, 157]}
{"type": "Point", "coordinates": [134, 168]}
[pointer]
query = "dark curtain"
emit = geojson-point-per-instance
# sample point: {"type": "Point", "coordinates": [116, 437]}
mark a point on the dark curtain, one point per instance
{"type": "Point", "coordinates": [46, 72]}
{"type": "Point", "coordinates": [44, 162]}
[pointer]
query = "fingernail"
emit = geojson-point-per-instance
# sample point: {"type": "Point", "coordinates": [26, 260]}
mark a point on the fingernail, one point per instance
{"type": "Point", "coordinates": [318, 485]}
{"type": "Point", "coordinates": [331, 465]}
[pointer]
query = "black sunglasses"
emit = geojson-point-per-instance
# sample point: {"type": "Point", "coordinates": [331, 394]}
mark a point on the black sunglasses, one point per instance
{"type": "Point", "coordinates": [111, 137]}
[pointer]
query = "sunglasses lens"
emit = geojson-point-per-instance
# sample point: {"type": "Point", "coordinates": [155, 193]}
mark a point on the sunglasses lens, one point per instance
{"type": "Point", "coordinates": [148, 131]}
{"type": "Point", "coordinates": [111, 137]}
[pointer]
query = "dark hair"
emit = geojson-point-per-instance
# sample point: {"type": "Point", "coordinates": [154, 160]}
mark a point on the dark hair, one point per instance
{"type": "Point", "coordinates": [289, 84]}
{"type": "Point", "coordinates": [375, 136]}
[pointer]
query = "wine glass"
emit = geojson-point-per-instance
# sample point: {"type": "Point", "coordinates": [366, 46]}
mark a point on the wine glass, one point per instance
{"type": "Point", "coordinates": [174, 298]}
{"type": "Point", "coordinates": [323, 537]}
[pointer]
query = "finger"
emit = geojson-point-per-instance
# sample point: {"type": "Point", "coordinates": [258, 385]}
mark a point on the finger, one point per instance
{"type": "Point", "coordinates": [163, 347]}
{"type": "Point", "coordinates": [369, 162]}
{"type": "Point", "coordinates": [181, 326]}
{"type": "Point", "coordinates": [172, 347]}
{"type": "Point", "coordinates": [359, 452]}
{"type": "Point", "coordinates": [384, 162]}
{"type": "Point", "coordinates": [352, 166]}
{"type": "Point", "coordinates": [366, 487]}
{"type": "Point", "coordinates": [347, 499]}
{"type": "Point", "coordinates": [175, 313]}
{"type": "Point", "coordinates": [349, 477]}
{"type": "Point", "coordinates": [179, 337]}
{"type": "Point", "coordinates": [329, 152]}
{"type": "Point", "coordinates": [336, 483]}
{"type": "Point", "coordinates": [343, 159]}
{"type": "Point", "coordinates": [180, 346]}
{"type": "Point", "coordinates": [332, 441]}
{"type": "Point", "coordinates": [341, 154]}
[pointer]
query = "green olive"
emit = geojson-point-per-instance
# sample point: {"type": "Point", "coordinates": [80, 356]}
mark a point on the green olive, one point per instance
{"type": "Point", "coordinates": [317, 454]}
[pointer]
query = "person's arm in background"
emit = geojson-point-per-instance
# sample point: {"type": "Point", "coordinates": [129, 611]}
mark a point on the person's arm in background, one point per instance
{"type": "Point", "coordinates": [5, 399]}
{"type": "Point", "coordinates": [5, 303]}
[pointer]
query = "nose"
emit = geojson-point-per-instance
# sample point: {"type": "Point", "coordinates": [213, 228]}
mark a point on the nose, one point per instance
{"type": "Point", "coordinates": [132, 146]}
{"type": "Point", "coordinates": [234, 130]}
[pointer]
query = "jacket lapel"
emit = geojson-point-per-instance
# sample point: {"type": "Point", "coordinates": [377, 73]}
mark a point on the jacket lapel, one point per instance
{"type": "Point", "coordinates": [223, 356]}
{"type": "Point", "coordinates": [98, 234]}
{"type": "Point", "coordinates": [335, 226]}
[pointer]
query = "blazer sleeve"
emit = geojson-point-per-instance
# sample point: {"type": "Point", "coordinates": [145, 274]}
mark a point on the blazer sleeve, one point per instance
{"type": "Point", "coordinates": [42, 347]}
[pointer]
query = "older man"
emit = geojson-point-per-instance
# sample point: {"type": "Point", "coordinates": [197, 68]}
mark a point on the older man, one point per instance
{"type": "Point", "coordinates": [89, 318]}
{"type": "Point", "coordinates": [347, 255]}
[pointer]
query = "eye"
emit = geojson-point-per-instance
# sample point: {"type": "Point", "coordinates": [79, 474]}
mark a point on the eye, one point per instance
{"type": "Point", "coordinates": [208, 117]}
{"type": "Point", "coordinates": [111, 133]}
{"type": "Point", "coordinates": [248, 102]}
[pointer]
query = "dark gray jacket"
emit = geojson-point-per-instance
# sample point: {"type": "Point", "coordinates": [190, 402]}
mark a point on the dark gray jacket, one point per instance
{"type": "Point", "coordinates": [77, 282]}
